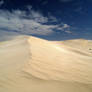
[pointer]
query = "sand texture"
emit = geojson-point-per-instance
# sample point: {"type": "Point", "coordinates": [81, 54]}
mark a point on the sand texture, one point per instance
{"type": "Point", "coordinates": [30, 64]}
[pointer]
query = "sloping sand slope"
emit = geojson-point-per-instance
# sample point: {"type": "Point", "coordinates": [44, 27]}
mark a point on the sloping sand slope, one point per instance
{"type": "Point", "coordinates": [29, 64]}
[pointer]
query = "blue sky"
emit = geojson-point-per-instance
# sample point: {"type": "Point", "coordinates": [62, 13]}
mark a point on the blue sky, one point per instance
{"type": "Point", "coordinates": [49, 19]}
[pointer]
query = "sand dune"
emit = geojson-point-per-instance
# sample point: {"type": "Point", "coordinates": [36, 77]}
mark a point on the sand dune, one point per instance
{"type": "Point", "coordinates": [30, 64]}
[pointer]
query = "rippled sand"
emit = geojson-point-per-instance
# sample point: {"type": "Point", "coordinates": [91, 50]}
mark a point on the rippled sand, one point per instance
{"type": "Point", "coordinates": [29, 64]}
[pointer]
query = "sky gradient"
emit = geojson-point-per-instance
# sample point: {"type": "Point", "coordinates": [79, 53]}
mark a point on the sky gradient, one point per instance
{"type": "Point", "coordinates": [48, 19]}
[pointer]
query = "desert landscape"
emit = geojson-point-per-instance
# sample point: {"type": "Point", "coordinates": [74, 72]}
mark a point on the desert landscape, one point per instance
{"type": "Point", "coordinates": [45, 45]}
{"type": "Point", "coordinates": [30, 64]}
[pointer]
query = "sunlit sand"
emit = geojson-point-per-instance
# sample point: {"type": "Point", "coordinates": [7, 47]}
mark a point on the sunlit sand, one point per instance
{"type": "Point", "coordinates": [30, 64]}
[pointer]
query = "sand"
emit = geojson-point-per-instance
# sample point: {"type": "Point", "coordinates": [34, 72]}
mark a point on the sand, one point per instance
{"type": "Point", "coordinates": [30, 64]}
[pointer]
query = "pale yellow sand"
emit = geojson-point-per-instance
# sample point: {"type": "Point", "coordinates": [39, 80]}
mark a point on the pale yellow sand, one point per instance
{"type": "Point", "coordinates": [29, 64]}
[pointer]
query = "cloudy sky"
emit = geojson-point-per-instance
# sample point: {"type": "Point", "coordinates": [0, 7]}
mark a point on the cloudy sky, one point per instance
{"type": "Point", "coordinates": [48, 19]}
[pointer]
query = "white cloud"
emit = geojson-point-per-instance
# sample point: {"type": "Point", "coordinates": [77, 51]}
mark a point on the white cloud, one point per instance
{"type": "Point", "coordinates": [28, 23]}
{"type": "Point", "coordinates": [68, 31]}
{"type": "Point", "coordinates": [52, 18]}
{"type": "Point", "coordinates": [38, 17]}
{"type": "Point", "coordinates": [63, 27]}
{"type": "Point", "coordinates": [1, 2]}
{"type": "Point", "coordinates": [29, 7]}
{"type": "Point", "coordinates": [66, 26]}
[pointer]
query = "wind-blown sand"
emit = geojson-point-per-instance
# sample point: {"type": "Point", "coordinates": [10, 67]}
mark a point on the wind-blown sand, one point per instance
{"type": "Point", "coordinates": [30, 64]}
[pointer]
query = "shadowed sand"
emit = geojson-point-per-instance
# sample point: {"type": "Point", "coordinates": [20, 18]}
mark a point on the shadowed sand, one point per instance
{"type": "Point", "coordinates": [29, 64]}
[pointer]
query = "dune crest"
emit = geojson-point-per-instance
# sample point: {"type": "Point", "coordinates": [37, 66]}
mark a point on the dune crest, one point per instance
{"type": "Point", "coordinates": [30, 64]}
{"type": "Point", "coordinates": [62, 61]}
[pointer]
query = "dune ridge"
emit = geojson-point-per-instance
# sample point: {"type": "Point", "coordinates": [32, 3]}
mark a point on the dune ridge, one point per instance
{"type": "Point", "coordinates": [51, 61]}
{"type": "Point", "coordinates": [30, 64]}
